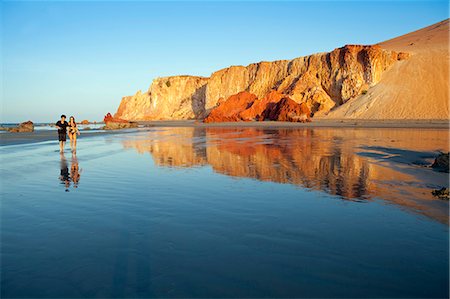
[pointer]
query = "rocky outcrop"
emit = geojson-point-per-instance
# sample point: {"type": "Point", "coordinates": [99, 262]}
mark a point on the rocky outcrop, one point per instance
{"type": "Point", "coordinates": [118, 126]}
{"type": "Point", "coordinates": [258, 110]}
{"type": "Point", "coordinates": [231, 108]}
{"type": "Point", "coordinates": [244, 106]}
{"type": "Point", "coordinates": [288, 110]}
{"type": "Point", "coordinates": [321, 81]}
{"type": "Point", "coordinates": [442, 193]}
{"type": "Point", "coordinates": [115, 123]}
{"type": "Point", "coordinates": [441, 162]}
{"type": "Point", "coordinates": [24, 127]}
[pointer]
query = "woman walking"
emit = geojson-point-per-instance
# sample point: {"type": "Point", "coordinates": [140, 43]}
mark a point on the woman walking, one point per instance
{"type": "Point", "coordinates": [73, 132]}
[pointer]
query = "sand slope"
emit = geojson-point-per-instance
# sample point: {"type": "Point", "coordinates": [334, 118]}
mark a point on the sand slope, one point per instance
{"type": "Point", "coordinates": [416, 88]}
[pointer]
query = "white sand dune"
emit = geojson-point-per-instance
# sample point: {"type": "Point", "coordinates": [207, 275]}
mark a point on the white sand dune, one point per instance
{"type": "Point", "coordinates": [416, 88]}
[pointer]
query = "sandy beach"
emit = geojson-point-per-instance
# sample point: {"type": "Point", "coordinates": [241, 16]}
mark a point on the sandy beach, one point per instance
{"type": "Point", "coordinates": [316, 123]}
{"type": "Point", "coordinates": [48, 135]}
{"type": "Point", "coordinates": [166, 199]}
{"type": "Point", "coordinates": [40, 136]}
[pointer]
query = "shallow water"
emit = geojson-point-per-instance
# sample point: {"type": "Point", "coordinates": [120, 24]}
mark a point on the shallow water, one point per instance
{"type": "Point", "coordinates": [50, 127]}
{"type": "Point", "coordinates": [223, 212]}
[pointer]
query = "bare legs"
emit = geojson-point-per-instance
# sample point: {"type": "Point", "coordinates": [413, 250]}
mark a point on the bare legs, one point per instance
{"type": "Point", "coordinates": [61, 146]}
{"type": "Point", "coordinates": [73, 141]}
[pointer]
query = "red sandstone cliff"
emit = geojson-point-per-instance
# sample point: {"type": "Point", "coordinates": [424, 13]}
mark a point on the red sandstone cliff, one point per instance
{"type": "Point", "coordinates": [244, 106]}
{"type": "Point", "coordinates": [323, 82]}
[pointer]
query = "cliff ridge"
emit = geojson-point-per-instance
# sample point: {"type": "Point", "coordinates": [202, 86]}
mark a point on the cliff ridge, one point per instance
{"type": "Point", "coordinates": [338, 84]}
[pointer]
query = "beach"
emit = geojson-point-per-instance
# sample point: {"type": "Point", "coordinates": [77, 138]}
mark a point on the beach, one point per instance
{"type": "Point", "coordinates": [48, 135]}
{"type": "Point", "coordinates": [7, 138]}
{"type": "Point", "coordinates": [315, 123]}
{"type": "Point", "coordinates": [296, 209]}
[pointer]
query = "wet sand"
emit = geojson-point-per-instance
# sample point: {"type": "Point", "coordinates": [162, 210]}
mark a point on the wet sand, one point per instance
{"type": "Point", "coordinates": [357, 164]}
{"type": "Point", "coordinates": [316, 123]}
{"type": "Point", "coordinates": [305, 211]}
{"type": "Point", "coordinates": [40, 136]}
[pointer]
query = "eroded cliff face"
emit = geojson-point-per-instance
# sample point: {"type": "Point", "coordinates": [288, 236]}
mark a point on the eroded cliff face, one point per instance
{"type": "Point", "coordinates": [177, 97]}
{"type": "Point", "coordinates": [245, 106]}
{"type": "Point", "coordinates": [417, 88]}
{"type": "Point", "coordinates": [322, 81]}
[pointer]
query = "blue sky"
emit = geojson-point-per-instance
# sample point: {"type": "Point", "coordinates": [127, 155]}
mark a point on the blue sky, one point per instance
{"type": "Point", "coordinates": [80, 58]}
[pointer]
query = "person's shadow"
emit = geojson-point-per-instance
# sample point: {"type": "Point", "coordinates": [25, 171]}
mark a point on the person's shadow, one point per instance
{"type": "Point", "coordinates": [73, 176]}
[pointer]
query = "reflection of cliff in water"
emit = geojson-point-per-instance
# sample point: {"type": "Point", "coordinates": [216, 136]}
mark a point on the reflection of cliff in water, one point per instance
{"type": "Point", "coordinates": [180, 147]}
{"type": "Point", "coordinates": [336, 161]}
{"type": "Point", "coordinates": [289, 156]}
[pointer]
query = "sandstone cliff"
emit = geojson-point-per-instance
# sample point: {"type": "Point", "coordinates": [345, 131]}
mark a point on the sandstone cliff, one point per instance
{"type": "Point", "coordinates": [178, 97]}
{"type": "Point", "coordinates": [417, 88]}
{"type": "Point", "coordinates": [320, 80]}
{"type": "Point", "coordinates": [245, 106]}
{"type": "Point", "coordinates": [325, 81]}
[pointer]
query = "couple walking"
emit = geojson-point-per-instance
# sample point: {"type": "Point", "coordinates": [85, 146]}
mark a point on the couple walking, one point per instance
{"type": "Point", "coordinates": [69, 128]}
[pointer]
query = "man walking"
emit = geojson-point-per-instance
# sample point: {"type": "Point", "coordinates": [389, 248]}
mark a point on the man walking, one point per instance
{"type": "Point", "coordinates": [62, 130]}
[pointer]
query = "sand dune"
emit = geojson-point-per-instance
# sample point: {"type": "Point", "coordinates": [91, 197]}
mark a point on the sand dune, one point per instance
{"type": "Point", "coordinates": [416, 88]}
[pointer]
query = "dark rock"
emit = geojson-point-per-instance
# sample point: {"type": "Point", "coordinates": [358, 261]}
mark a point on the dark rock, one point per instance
{"type": "Point", "coordinates": [27, 126]}
{"type": "Point", "coordinates": [441, 162]}
{"type": "Point", "coordinates": [442, 193]}
{"type": "Point", "coordinates": [114, 123]}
